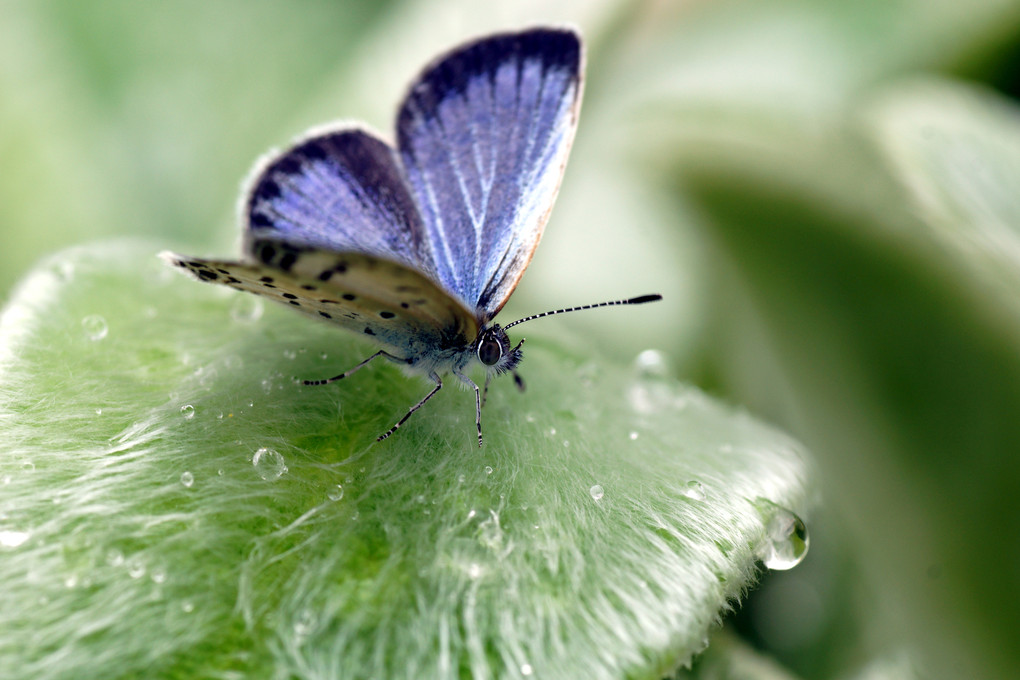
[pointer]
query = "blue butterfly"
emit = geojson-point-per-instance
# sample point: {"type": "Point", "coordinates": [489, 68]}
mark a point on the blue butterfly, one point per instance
{"type": "Point", "coordinates": [419, 246]}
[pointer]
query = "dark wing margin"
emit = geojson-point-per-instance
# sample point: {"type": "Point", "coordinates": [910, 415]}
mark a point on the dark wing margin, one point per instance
{"type": "Point", "coordinates": [339, 189]}
{"type": "Point", "coordinates": [484, 134]}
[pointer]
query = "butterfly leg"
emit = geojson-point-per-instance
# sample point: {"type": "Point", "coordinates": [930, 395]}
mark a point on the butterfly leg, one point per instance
{"type": "Point", "coordinates": [519, 381]}
{"type": "Point", "coordinates": [439, 384]}
{"type": "Point", "coordinates": [380, 353]}
{"type": "Point", "coordinates": [485, 390]}
{"type": "Point", "coordinates": [478, 401]}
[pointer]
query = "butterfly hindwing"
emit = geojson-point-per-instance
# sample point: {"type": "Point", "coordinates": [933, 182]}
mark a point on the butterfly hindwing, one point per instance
{"type": "Point", "coordinates": [374, 297]}
{"type": "Point", "coordinates": [338, 189]}
{"type": "Point", "coordinates": [483, 135]}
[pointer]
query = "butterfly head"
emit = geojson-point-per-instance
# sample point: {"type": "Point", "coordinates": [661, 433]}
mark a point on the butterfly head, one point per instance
{"type": "Point", "coordinates": [492, 347]}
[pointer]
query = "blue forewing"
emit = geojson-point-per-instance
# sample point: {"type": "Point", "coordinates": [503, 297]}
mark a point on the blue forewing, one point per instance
{"type": "Point", "coordinates": [484, 135]}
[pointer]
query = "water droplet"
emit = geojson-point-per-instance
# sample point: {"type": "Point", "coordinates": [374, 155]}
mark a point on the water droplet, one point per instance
{"type": "Point", "coordinates": [95, 327]}
{"type": "Point", "coordinates": [187, 479]}
{"type": "Point", "coordinates": [323, 356]}
{"type": "Point", "coordinates": [474, 570]}
{"type": "Point", "coordinates": [304, 622]}
{"type": "Point", "coordinates": [269, 464]}
{"type": "Point", "coordinates": [158, 575]}
{"type": "Point", "coordinates": [99, 411]}
{"type": "Point", "coordinates": [12, 539]}
{"type": "Point", "coordinates": [597, 492]}
{"type": "Point", "coordinates": [471, 514]}
{"type": "Point", "coordinates": [633, 435]}
{"type": "Point", "coordinates": [786, 538]}
{"type": "Point", "coordinates": [246, 309]}
{"type": "Point", "coordinates": [461, 477]}
{"type": "Point", "coordinates": [289, 354]}
{"type": "Point", "coordinates": [552, 431]}
{"type": "Point", "coordinates": [335, 493]}
{"type": "Point", "coordinates": [652, 363]}
{"type": "Point", "coordinates": [187, 606]}
{"type": "Point", "coordinates": [115, 558]}
{"type": "Point", "coordinates": [136, 568]}
{"type": "Point", "coordinates": [220, 472]}
{"type": "Point", "coordinates": [71, 581]}
{"type": "Point", "coordinates": [188, 411]}
{"type": "Point", "coordinates": [488, 469]}
{"type": "Point", "coordinates": [587, 374]}
{"type": "Point", "coordinates": [694, 490]}
{"type": "Point", "coordinates": [28, 466]}
{"type": "Point", "coordinates": [526, 669]}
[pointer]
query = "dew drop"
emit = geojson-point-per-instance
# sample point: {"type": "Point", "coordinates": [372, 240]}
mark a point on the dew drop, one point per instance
{"type": "Point", "coordinates": [99, 411]}
{"type": "Point", "coordinates": [694, 490]}
{"type": "Point", "coordinates": [115, 558]}
{"type": "Point", "coordinates": [526, 669]}
{"type": "Point", "coordinates": [786, 538]}
{"type": "Point", "coordinates": [246, 309]}
{"type": "Point", "coordinates": [597, 492]}
{"type": "Point", "coordinates": [474, 570]}
{"type": "Point", "coordinates": [12, 539]}
{"type": "Point", "coordinates": [95, 327]}
{"type": "Point", "coordinates": [28, 466]}
{"type": "Point", "coordinates": [335, 493]}
{"type": "Point", "coordinates": [269, 464]}
{"type": "Point", "coordinates": [187, 606]}
{"type": "Point", "coordinates": [187, 479]}
{"type": "Point", "coordinates": [289, 354]}
{"type": "Point", "coordinates": [488, 469]}
{"type": "Point", "coordinates": [188, 411]}
{"type": "Point", "coordinates": [304, 622]}
{"type": "Point", "coordinates": [136, 569]}
{"type": "Point", "coordinates": [652, 363]}
{"type": "Point", "coordinates": [633, 435]}
{"type": "Point", "coordinates": [158, 575]}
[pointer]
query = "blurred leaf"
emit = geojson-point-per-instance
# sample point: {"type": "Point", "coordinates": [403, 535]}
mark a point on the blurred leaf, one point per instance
{"type": "Point", "coordinates": [889, 344]}
{"type": "Point", "coordinates": [176, 505]}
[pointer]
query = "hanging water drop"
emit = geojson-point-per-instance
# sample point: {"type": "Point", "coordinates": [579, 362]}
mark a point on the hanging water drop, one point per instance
{"type": "Point", "coordinates": [187, 479]}
{"type": "Point", "coordinates": [597, 492]}
{"type": "Point", "coordinates": [786, 538]}
{"type": "Point", "coordinates": [335, 493]}
{"type": "Point", "coordinates": [188, 411]}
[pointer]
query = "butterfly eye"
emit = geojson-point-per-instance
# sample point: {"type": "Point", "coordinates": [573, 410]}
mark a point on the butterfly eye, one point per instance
{"type": "Point", "coordinates": [490, 351]}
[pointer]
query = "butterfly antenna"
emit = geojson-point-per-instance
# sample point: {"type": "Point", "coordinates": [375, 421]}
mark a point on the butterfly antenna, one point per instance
{"type": "Point", "coordinates": [640, 300]}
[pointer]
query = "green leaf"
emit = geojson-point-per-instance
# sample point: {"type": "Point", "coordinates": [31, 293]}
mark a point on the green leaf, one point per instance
{"type": "Point", "coordinates": [176, 505]}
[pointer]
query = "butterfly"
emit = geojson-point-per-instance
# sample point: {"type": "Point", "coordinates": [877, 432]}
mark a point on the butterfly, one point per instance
{"type": "Point", "coordinates": [419, 245]}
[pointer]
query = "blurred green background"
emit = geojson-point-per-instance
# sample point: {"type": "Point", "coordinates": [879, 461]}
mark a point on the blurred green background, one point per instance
{"type": "Point", "coordinates": [827, 193]}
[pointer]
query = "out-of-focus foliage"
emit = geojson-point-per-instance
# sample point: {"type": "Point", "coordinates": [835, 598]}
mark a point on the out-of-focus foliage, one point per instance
{"type": "Point", "coordinates": [826, 193]}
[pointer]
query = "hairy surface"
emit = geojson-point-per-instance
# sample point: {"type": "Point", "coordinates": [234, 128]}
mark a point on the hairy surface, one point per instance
{"type": "Point", "coordinates": [174, 504]}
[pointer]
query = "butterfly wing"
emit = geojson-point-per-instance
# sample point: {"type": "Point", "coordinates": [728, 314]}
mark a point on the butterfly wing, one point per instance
{"type": "Point", "coordinates": [338, 189]}
{"type": "Point", "coordinates": [483, 135]}
{"type": "Point", "coordinates": [394, 305]}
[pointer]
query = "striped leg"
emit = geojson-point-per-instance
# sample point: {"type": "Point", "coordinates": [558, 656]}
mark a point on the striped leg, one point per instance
{"type": "Point", "coordinates": [478, 401]}
{"type": "Point", "coordinates": [348, 372]}
{"type": "Point", "coordinates": [439, 384]}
